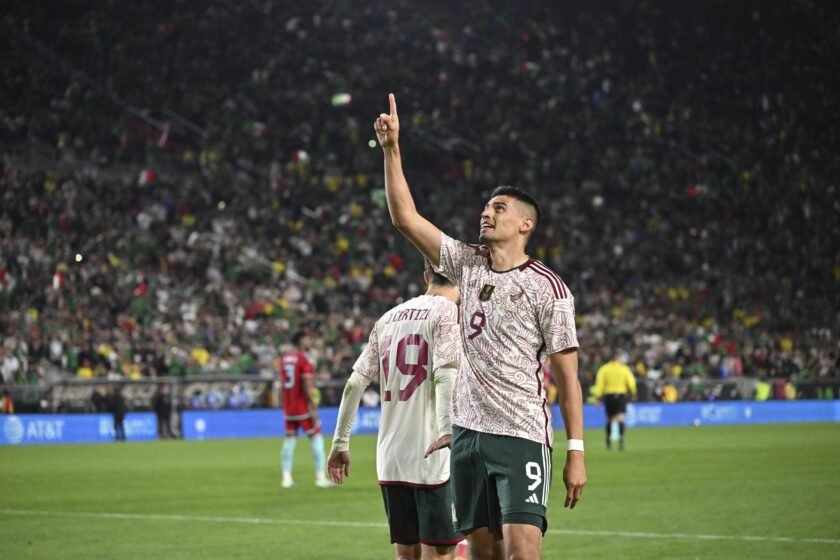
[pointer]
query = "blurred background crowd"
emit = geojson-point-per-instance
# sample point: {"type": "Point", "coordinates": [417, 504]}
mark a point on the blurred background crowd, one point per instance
{"type": "Point", "coordinates": [185, 183]}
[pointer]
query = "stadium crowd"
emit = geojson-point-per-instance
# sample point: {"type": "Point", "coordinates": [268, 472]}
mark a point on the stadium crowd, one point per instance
{"type": "Point", "coordinates": [212, 183]}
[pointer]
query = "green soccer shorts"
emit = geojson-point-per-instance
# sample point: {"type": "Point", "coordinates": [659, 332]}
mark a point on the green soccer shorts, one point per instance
{"type": "Point", "coordinates": [499, 480]}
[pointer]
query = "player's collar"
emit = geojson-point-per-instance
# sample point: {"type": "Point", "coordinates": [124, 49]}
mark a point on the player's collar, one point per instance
{"type": "Point", "coordinates": [520, 267]}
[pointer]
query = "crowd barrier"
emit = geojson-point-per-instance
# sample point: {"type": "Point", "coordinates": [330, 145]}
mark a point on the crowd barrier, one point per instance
{"type": "Point", "coordinates": [215, 424]}
{"type": "Point", "coordinates": [269, 423]}
{"type": "Point", "coordinates": [225, 392]}
{"type": "Point", "coordinates": [74, 428]}
{"type": "Point", "coordinates": [211, 424]}
{"type": "Point", "coordinates": [719, 413]}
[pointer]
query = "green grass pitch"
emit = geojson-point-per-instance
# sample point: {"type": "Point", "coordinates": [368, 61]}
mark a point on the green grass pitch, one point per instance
{"type": "Point", "coordinates": [709, 492]}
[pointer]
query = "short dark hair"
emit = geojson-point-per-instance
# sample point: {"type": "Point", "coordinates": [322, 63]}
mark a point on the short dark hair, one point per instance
{"type": "Point", "coordinates": [435, 278]}
{"type": "Point", "coordinates": [296, 338]}
{"type": "Point", "coordinates": [521, 196]}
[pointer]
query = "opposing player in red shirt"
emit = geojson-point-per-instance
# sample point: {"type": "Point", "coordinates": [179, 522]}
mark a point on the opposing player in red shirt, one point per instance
{"type": "Point", "coordinates": [300, 409]}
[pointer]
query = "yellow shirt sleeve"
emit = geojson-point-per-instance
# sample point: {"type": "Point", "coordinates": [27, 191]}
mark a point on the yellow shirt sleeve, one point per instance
{"type": "Point", "coordinates": [631, 381]}
{"type": "Point", "coordinates": [599, 381]}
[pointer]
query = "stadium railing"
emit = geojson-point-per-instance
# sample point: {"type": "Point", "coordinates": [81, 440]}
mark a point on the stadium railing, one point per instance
{"type": "Point", "coordinates": [226, 392]}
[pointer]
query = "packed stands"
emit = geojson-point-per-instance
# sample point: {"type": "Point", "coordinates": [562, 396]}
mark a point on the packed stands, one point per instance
{"type": "Point", "coordinates": [186, 183]}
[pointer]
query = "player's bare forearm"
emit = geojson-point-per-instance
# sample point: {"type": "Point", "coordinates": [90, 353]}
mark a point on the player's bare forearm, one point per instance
{"type": "Point", "coordinates": [570, 397]}
{"type": "Point", "coordinates": [565, 366]}
{"type": "Point", "coordinates": [400, 202]}
{"type": "Point", "coordinates": [421, 232]}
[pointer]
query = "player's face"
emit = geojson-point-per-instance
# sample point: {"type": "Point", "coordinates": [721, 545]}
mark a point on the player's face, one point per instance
{"type": "Point", "coordinates": [500, 220]}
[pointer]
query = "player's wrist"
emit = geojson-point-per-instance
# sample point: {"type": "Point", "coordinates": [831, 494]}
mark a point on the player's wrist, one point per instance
{"type": "Point", "coordinates": [573, 444]}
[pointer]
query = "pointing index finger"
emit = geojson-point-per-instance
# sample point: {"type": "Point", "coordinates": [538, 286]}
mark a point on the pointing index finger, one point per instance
{"type": "Point", "coordinates": [393, 101]}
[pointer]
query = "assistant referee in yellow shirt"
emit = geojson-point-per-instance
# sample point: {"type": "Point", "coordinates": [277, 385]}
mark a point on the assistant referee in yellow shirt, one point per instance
{"type": "Point", "coordinates": [614, 382]}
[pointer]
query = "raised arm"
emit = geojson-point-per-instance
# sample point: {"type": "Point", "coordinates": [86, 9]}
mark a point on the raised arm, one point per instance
{"type": "Point", "coordinates": [420, 231]}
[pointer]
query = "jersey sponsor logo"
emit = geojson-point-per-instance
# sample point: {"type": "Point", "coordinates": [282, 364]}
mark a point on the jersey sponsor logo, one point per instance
{"type": "Point", "coordinates": [486, 292]}
{"type": "Point", "coordinates": [532, 499]}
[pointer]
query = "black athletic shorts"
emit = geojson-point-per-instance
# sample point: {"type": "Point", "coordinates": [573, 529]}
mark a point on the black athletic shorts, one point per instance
{"type": "Point", "coordinates": [421, 515]}
{"type": "Point", "coordinates": [615, 403]}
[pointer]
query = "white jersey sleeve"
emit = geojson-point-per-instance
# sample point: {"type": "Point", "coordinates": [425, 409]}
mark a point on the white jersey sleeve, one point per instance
{"type": "Point", "coordinates": [557, 323]}
{"type": "Point", "coordinates": [446, 355]}
{"type": "Point", "coordinates": [367, 364]}
{"type": "Point", "coordinates": [454, 254]}
{"type": "Point", "coordinates": [446, 346]}
{"type": "Point", "coordinates": [350, 398]}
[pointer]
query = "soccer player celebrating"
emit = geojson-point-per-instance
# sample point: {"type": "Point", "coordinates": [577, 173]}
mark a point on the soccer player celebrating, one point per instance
{"type": "Point", "coordinates": [614, 381]}
{"type": "Point", "coordinates": [300, 409]}
{"type": "Point", "coordinates": [413, 353]}
{"type": "Point", "coordinates": [514, 313]}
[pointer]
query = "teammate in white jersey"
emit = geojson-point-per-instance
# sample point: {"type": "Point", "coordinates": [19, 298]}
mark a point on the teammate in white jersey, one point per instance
{"type": "Point", "coordinates": [514, 313]}
{"type": "Point", "coordinates": [412, 353]}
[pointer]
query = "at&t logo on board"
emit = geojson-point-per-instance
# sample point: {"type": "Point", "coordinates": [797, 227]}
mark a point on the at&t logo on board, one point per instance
{"type": "Point", "coordinates": [32, 429]}
{"type": "Point", "coordinates": [13, 429]}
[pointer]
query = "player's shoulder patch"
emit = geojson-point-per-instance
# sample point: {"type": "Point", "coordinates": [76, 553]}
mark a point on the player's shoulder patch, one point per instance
{"type": "Point", "coordinates": [548, 276]}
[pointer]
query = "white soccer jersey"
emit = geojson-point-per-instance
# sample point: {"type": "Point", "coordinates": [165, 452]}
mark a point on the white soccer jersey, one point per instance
{"type": "Point", "coordinates": [406, 346]}
{"type": "Point", "coordinates": [510, 322]}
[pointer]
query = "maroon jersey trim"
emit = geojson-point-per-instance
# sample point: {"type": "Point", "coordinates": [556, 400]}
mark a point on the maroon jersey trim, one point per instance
{"type": "Point", "coordinates": [538, 375]}
{"type": "Point", "coordinates": [554, 276]}
{"type": "Point", "coordinates": [556, 282]}
{"type": "Point", "coordinates": [550, 282]}
{"type": "Point", "coordinates": [547, 439]}
{"type": "Point", "coordinates": [475, 247]}
{"type": "Point", "coordinates": [539, 371]}
{"type": "Point", "coordinates": [526, 264]}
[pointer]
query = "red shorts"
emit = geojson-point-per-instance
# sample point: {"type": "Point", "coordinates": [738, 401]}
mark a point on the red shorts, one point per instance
{"type": "Point", "coordinates": [305, 424]}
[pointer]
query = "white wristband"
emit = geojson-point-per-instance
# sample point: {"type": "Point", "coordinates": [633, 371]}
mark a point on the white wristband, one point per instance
{"type": "Point", "coordinates": [574, 445]}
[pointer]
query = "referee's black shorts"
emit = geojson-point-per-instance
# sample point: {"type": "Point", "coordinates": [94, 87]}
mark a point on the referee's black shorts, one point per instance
{"type": "Point", "coordinates": [615, 403]}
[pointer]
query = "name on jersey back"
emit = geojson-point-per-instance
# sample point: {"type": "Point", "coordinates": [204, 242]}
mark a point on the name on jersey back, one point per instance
{"type": "Point", "coordinates": [408, 315]}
